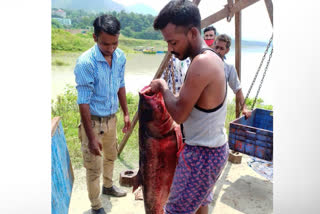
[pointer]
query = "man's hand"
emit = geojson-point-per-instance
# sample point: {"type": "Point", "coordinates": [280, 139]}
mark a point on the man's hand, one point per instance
{"type": "Point", "coordinates": [127, 124]}
{"type": "Point", "coordinates": [157, 85]}
{"type": "Point", "coordinates": [95, 147]}
{"type": "Point", "coordinates": [246, 113]}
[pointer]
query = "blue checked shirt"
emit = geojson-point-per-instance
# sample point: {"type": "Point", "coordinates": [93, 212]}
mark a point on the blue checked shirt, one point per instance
{"type": "Point", "coordinates": [98, 83]}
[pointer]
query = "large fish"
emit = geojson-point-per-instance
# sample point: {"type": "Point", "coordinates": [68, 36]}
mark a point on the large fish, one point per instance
{"type": "Point", "coordinates": [159, 141]}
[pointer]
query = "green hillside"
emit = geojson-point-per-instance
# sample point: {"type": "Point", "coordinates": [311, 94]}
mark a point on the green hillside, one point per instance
{"type": "Point", "coordinates": [62, 40]}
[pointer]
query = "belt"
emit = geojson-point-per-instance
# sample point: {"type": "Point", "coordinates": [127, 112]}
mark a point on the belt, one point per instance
{"type": "Point", "coordinates": [102, 119]}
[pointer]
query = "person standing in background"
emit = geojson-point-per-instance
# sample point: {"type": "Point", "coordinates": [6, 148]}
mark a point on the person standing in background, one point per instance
{"type": "Point", "coordinates": [222, 46]}
{"type": "Point", "coordinates": [210, 33]}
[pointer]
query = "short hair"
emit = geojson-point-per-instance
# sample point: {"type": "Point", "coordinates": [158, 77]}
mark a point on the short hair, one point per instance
{"type": "Point", "coordinates": [180, 13]}
{"type": "Point", "coordinates": [224, 38]}
{"type": "Point", "coordinates": [106, 23]}
{"type": "Point", "coordinates": [209, 28]}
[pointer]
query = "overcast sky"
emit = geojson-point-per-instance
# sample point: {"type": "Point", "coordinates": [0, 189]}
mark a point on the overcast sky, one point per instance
{"type": "Point", "coordinates": [255, 20]}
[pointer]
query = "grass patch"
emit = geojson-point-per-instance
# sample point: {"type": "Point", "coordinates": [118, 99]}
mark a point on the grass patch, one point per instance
{"type": "Point", "coordinates": [59, 63]}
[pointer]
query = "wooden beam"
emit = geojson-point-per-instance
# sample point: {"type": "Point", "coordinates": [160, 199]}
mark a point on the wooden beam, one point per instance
{"type": "Point", "coordinates": [230, 5]}
{"type": "Point", "coordinates": [269, 6]}
{"type": "Point", "coordinates": [135, 119]}
{"type": "Point", "coordinates": [158, 74]}
{"type": "Point", "coordinates": [163, 65]}
{"type": "Point", "coordinates": [128, 134]}
{"type": "Point", "coordinates": [238, 50]}
{"type": "Point", "coordinates": [221, 14]}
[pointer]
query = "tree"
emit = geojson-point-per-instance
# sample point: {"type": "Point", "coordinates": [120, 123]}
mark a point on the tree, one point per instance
{"type": "Point", "coordinates": [133, 25]}
{"type": "Point", "coordinates": [56, 24]}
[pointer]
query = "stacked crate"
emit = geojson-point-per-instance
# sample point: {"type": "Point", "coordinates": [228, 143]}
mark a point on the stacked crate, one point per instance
{"type": "Point", "coordinates": [253, 136]}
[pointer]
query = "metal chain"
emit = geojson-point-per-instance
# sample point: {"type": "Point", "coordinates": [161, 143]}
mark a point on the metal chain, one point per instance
{"type": "Point", "coordinates": [173, 78]}
{"type": "Point", "coordinates": [264, 74]}
{"type": "Point", "coordinates": [166, 75]}
{"type": "Point", "coordinates": [255, 77]}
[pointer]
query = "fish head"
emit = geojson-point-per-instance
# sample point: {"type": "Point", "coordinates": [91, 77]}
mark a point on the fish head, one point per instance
{"type": "Point", "coordinates": [152, 110]}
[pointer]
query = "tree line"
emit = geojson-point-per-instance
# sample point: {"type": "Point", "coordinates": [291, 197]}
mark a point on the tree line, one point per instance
{"type": "Point", "coordinates": [133, 25]}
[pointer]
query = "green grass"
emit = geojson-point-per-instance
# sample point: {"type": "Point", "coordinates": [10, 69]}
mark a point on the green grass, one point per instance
{"type": "Point", "coordinates": [66, 107]}
{"type": "Point", "coordinates": [59, 63]}
{"type": "Point", "coordinates": [68, 58]}
{"type": "Point", "coordinates": [62, 40]}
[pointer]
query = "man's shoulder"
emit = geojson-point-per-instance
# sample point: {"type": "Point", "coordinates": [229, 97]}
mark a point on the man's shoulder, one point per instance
{"type": "Point", "coordinates": [120, 54]}
{"type": "Point", "coordinates": [86, 57]}
{"type": "Point", "coordinates": [209, 61]}
{"type": "Point", "coordinates": [206, 67]}
{"type": "Point", "coordinates": [119, 51]}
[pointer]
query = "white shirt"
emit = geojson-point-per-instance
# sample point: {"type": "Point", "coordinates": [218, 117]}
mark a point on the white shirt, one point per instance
{"type": "Point", "coordinates": [232, 77]}
{"type": "Point", "coordinates": [179, 68]}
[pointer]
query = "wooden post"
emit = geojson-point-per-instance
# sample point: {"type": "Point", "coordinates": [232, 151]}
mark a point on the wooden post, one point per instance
{"type": "Point", "coordinates": [269, 6]}
{"type": "Point", "coordinates": [238, 51]}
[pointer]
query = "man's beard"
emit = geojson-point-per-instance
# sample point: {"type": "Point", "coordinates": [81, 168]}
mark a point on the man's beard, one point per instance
{"type": "Point", "coordinates": [184, 55]}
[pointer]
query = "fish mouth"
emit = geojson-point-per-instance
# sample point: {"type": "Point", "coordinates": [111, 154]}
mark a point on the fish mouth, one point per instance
{"type": "Point", "coordinates": [147, 91]}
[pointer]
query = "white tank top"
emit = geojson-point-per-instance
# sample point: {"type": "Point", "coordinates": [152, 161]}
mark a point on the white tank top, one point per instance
{"type": "Point", "coordinates": [206, 127]}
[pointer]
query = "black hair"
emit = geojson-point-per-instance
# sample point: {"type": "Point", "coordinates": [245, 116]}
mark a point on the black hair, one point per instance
{"type": "Point", "coordinates": [180, 13]}
{"type": "Point", "coordinates": [106, 23]}
{"type": "Point", "coordinates": [209, 28]}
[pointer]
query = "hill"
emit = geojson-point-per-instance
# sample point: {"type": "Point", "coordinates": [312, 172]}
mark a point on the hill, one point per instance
{"type": "Point", "coordinates": [102, 6]}
{"type": "Point", "coordinates": [98, 6]}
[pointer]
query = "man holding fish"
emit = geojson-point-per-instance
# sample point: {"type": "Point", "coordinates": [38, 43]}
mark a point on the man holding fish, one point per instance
{"type": "Point", "coordinates": [200, 108]}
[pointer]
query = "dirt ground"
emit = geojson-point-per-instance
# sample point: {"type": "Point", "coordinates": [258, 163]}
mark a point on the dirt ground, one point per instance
{"type": "Point", "coordinates": [239, 190]}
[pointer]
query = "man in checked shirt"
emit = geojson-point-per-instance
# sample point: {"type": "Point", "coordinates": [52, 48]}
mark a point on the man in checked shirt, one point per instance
{"type": "Point", "coordinates": [100, 83]}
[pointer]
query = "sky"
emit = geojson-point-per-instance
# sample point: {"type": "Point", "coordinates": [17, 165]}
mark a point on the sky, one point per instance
{"type": "Point", "coordinates": [256, 24]}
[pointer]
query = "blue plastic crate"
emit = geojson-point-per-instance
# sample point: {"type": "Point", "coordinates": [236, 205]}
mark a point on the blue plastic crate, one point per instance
{"type": "Point", "coordinates": [253, 136]}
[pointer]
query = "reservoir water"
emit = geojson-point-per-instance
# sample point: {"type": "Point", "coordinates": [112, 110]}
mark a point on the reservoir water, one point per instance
{"type": "Point", "coordinates": [140, 70]}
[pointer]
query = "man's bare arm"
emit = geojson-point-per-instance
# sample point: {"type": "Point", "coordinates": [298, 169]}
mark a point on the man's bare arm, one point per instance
{"type": "Point", "coordinates": [197, 79]}
{"type": "Point", "coordinates": [240, 99]}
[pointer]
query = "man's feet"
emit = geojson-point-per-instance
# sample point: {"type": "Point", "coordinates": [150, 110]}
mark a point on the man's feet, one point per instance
{"type": "Point", "coordinates": [113, 191]}
{"type": "Point", "coordinates": [98, 211]}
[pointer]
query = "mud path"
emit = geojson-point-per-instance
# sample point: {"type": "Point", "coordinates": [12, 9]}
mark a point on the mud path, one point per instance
{"type": "Point", "coordinates": [239, 190]}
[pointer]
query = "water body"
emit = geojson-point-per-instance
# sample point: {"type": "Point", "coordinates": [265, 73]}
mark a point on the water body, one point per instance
{"type": "Point", "coordinates": [140, 70]}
